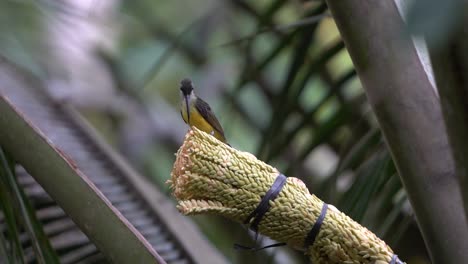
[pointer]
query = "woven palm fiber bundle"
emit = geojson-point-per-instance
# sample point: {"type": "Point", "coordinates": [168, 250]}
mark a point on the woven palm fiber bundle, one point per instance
{"type": "Point", "coordinates": [209, 177]}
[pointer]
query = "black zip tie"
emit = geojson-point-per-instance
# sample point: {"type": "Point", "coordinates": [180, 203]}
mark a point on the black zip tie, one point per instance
{"type": "Point", "coordinates": [241, 247]}
{"type": "Point", "coordinates": [264, 204]}
{"type": "Point", "coordinates": [310, 239]}
{"type": "Point", "coordinates": [260, 211]}
{"type": "Point", "coordinates": [395, 260]}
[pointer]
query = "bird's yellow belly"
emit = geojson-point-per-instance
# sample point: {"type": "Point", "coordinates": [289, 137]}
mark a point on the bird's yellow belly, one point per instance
{"type": "Point", "coordinates": [197, 120]}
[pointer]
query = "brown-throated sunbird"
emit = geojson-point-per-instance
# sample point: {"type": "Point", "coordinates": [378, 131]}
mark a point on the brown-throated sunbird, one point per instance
{"type": "Point", "coordinates": [198, 113]}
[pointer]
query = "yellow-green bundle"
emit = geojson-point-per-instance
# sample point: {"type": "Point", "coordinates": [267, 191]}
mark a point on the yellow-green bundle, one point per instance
{"type": "Point", "coordinates": [211, 177]}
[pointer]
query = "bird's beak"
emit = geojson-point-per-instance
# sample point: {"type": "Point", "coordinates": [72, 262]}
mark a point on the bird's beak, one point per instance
{"type": "Point", "coordinates": [186, 97]}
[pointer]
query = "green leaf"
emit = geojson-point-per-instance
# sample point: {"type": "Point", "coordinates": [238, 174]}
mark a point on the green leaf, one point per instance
{"type": "Point", "coordinates": [392, 216]}
{"type": "Point", "coordinates": [368, 181]}
{"type": "Point", "coordinates": [321, 134]}
{"type": "Point", "coordinates": [352, 158]}
{"type": "Point", "coordinates": [5, 256]}
{"type": "Point", "coordinates": [41, 244]}
{"type": "Point", "coordinates": [298, 59]}
{"type": "Point", "coordinates": [309, 116]}
{"type": "Point", "coordinates": [16, 254]}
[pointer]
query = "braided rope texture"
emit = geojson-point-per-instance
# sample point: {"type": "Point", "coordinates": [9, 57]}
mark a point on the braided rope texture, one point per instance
{"type": "Point", "coordinates": [209, 177]}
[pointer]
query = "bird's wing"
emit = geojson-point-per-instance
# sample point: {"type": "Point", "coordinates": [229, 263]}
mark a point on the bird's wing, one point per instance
{"type": "Point", "coordinates": [205, 110]}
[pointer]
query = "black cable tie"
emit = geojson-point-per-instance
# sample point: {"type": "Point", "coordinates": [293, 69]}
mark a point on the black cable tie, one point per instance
{"type": "Point", "coordinates": [310, 239]}
{"type": "Point", "coordinates": [264, 204]}
{"type": "Point", "coordinates": [395, 260]}
{"type": "Point", "coordinates": [241, 247]}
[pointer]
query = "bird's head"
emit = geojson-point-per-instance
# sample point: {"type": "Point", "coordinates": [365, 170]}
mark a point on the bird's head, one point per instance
{"type": "Point", "coordinates": [187, 95]}
{"type": "Point", "coordinates": [186, 87]}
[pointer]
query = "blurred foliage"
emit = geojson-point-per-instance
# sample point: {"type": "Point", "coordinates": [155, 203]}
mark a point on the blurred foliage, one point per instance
{"type": "Point", "coordinates": [19, 216]}
{"type": "Point", "coordinates": [437, 21]}
{"type": "Point", "coordinates": [276, 74]}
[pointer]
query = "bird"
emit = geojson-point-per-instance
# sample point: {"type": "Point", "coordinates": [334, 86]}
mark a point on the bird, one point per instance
{"type": "Point", "coordinates": [196, 112]}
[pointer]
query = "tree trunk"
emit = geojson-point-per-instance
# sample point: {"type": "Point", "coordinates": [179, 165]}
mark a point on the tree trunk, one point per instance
{"type": "Point", "coordinates": [409, 114]}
